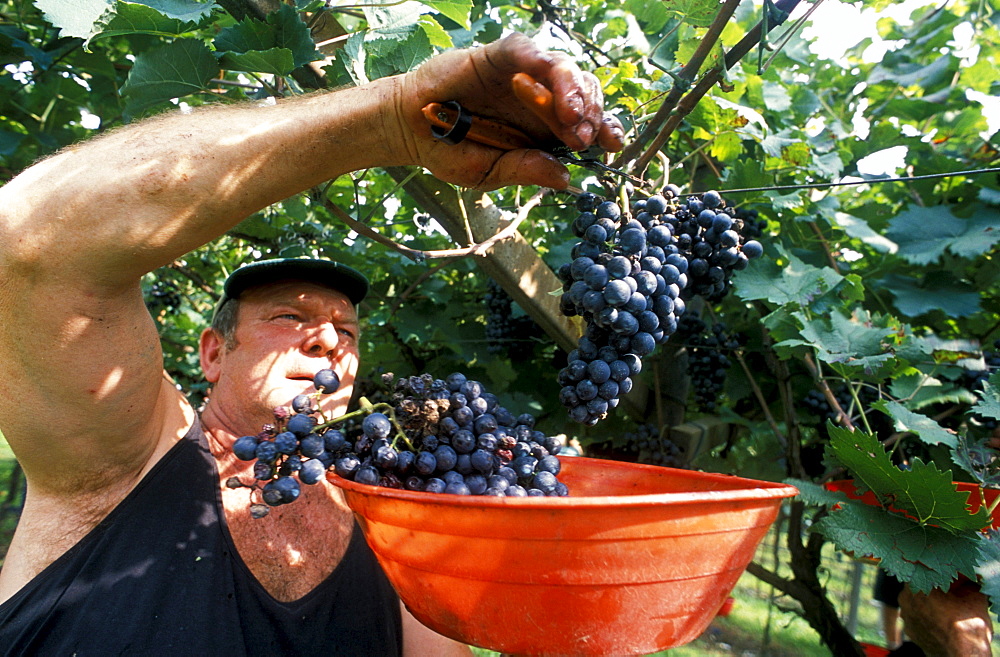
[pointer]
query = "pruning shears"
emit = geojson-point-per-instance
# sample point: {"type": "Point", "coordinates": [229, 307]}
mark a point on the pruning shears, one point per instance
{"type": "Point", "coordinates": [452, 124]}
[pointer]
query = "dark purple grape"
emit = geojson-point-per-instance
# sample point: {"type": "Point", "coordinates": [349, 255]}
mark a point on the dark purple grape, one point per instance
{"type": "Point", "coordinates": [312, 446]}
{"type": "Point", "coordinates": [301, 424]}
{"type": "Point", "coordinates": [386, 457]}
{"type": "Point", "coordinates": [587, 202]}
{"type": "Point", "coordinates": [286, 442]}
{"type": "Point", "coordinates": [347, 466]}
{"type": "Point", "coordinates": [367, 474]}
{"type": "Point", "coordinates": [271, 495]}
{"type": "Point", "coordinates": [288, 487]}
{"type": "Point", "coordinates": [326, 381]}
{"type": "Point", "coordinates": [655, 204]}
{"type": "Point", "coordinates": [245, 448]}
{"type": "Point", "coordinates": [376, 426]}
{"type": "Point", "coordinates": [435, 485]}
{"type": "Point", "coordinates": [752, 249]}
{"type": "Point", "coordinates": [446, 458]}
{"type": "Point", "coordinates": [335, 442]}
{"type": "Point", "coordinates": [404, 462]}
{"type": "Point", "coordinates": [266, 452]}
{"type": "Point", "coordinates": [303, 404]}
{"type": "Point", "coordinates": [425, 463]}
{"type": "Point", "coordinates": [312, 472]}
{"type": "Point", "coordinates": [476, 483]}
{"type": "Point", "coordinates": [263, 471]}
{"type": "Point", "coordinates": [457, 488]}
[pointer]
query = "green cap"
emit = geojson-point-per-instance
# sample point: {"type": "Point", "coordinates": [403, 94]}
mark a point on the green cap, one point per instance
{"type": "Point", "coordinates": [334, 275]}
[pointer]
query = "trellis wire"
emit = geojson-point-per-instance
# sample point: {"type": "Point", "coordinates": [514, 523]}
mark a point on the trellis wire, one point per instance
{"type": "Point", "coordinates": [866, 181]}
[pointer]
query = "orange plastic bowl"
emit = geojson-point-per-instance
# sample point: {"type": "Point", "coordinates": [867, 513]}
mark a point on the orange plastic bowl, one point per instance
{"type": "Point", "coordinates": [637, 559]}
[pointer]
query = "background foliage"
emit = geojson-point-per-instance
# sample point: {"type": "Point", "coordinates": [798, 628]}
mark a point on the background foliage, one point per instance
{"type": "Point", "coordinates": [884, 295]}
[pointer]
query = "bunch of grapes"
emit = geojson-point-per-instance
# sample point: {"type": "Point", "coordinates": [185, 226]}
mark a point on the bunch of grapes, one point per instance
{"type": "Point", "coordinates": [291, 451]}
{"type": "Point", "coordinates": [435, 435]}
{"type": "Point", "coordinates": [816, 405]}
{"type": "Point", "coordinates": [453, 436]}
{"type": "Point", "coordinates": [644, 444]}
{"type": "Point", "coordinates": [629, 279]}
{"type": "Point", "coordinates": [707, 360]}
{"type": "Point", "coordinates": [654, 448]}
{"type": "Point", "coordinates": [506, 333]}
{"type": "Point", "coordinates": [752, 226]}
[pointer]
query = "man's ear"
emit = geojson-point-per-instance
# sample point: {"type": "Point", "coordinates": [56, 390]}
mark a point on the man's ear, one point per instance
{"type": "Point", "coordinates": [211, 347]}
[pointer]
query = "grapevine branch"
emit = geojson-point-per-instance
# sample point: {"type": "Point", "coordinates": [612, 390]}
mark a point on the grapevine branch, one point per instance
{"type": "Point", "coordinates": [193, 276]}
{"type": "Point", "coordinates": [842, 417]}
{"type": "Point", "coordinates": [670, 120]}
{"type": "Point", "coordinates": [682, 82]}
{"type": "Point", "coordinates": [417, 255]}
{"type": "Point", "coordinates": [761, 399]}
{"type": "Point", "coordinates": [826, 247]}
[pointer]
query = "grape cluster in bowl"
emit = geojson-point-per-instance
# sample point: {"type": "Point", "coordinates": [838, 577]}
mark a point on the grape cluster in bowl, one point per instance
{"type": "Point", "coordinates": [434, 435]}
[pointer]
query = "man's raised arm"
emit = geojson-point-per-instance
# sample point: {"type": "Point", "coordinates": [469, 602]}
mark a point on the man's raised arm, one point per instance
{"type": "Point", "coordinates": [79, 355]}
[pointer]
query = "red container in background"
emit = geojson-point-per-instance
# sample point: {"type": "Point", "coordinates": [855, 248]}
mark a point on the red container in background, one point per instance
{"type": "Point", "coordinates": [727, 607]}
{"type": "Point", "coordinates": [637, 559]}
{"type": "Point", "coordinates": [874, 651]}
{"type": "Point", "coordinates": [847, 487]}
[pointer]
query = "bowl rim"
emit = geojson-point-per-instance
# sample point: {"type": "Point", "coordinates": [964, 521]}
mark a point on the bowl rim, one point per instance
{"type": "Point", "coordinates": [752, 490]}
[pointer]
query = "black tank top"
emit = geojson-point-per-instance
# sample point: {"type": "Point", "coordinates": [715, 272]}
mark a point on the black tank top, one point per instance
{"type": "Point", "coordinates": [161, 576]}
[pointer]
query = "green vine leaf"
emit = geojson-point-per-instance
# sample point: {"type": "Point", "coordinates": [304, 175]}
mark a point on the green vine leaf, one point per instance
{"type": "Point", "coordinates": [929, 431]}
{"type": "Point", "coordinates": [978, 459]}
{"type": "Point", "coordinates": [925, 234]}
{"type": "Point", "coordinates": [858, 228]}
{"type": "Point", "coordinates": [923, 493]}
{"type": "Point", "coordinates": [387, 57]}
{"type": "Point", "coordinates": [988, 567]}
{"type": "Point", "coordinates": [264, 42]}
{"type": "Point", "coordinates": [791, 282]}
{"type": "Point", "coordinates": [698, 13]}
{"type": "Point", "coordinates": [140, 18]}
{"type": "Point", "coordinates": [436, 35]}
{"type": "Point", "coordinates": [277, 61]}
{"type": "Point", "coordinates": [812, 493]}
{"type": "Point", "coordinates": [75, 18]}
{"type": "Point", "coordinates": [989, 402]}
{"type": "Point", "coordinates": [941, 292]}
{"type": "Point", "coordinates": [177, 69]}
{"type": "Point", "coordinates": [927, 557]}
{"type": "Point", "coordinates": [456, 10]}
{"type": "Point", "coordinates": [186, 11]}
{"type": "Point", "coordinates": [390, 19]}
{"type": "Point", "coordinates": [853, 346]}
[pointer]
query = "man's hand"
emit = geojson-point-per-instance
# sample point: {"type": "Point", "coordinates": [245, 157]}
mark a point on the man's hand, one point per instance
{"type": "Point", "coordinates": [955, 623]}
{"type": "Point", "coordinates": [480, 80]}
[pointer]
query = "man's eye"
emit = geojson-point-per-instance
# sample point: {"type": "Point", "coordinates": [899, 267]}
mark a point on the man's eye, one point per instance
{"type": "Point", "coordinates": [349, 333]}
{"type": "Point", "coordinates": [291, 316]}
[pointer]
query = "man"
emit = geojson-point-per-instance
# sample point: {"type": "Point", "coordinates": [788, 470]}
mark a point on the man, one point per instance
{"type": "Point", "coordinates": [952, 623]}
{"type": "Point", "coordinates": [103, 562]}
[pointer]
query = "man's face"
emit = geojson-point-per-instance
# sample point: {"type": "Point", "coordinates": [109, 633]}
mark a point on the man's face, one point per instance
{"type": "Point", "coordinates": [285, 333]}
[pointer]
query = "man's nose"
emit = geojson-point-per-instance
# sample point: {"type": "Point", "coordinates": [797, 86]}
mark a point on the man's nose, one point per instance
{"type": "Point", "coordinates": [321, 339]}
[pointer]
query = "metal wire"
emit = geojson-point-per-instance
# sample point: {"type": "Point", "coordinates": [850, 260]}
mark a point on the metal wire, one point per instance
{"type": "Point", "coordinates": [867, 181]}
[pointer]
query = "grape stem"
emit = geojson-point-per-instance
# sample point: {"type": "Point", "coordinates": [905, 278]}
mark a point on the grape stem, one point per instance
{"type": "Point", "coordinates": [367, 408]}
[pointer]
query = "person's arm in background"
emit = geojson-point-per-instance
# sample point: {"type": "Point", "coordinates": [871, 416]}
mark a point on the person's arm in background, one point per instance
{"type": "Point", "coordinates": [953, 623]}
